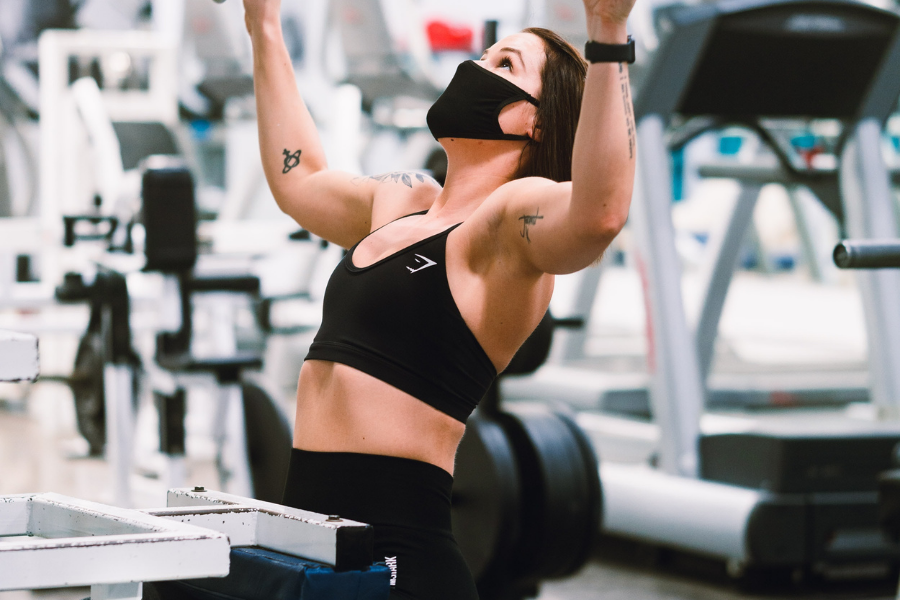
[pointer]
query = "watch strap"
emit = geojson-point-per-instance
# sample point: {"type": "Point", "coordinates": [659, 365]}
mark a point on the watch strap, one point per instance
{"type": "Point", "coordinates": [596, 52]}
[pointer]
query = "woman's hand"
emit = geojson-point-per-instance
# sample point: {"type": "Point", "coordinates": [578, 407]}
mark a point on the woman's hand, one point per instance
{"type": "Point", "coordinates": [257, 12]}
{"type": "Point", "coordinates": [610, 12]}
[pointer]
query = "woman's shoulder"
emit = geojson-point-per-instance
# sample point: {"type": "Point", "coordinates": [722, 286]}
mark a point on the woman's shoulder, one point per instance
{"type": "Point", "coordinates": [527, 183]}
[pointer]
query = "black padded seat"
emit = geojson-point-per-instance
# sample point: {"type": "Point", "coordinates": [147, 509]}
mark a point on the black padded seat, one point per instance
{"type": "Point", "coordinates": [199, 283]}
{"type": "Point", "coordinates": [260, 574]}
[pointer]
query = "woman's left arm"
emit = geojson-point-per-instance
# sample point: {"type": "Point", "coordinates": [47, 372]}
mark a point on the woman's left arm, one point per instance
{"type": "Point", "coordinates": [564, 227]}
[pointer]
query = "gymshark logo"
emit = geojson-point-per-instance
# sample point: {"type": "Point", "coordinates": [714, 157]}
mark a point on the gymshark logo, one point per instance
{"type": "Point", "coordinates": [428, 263]}
{"type": "Point", "coordinates": [391, 562]}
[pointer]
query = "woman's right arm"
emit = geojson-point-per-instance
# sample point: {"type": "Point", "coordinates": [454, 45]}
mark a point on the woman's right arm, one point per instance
{"type": "Point", "coordinates": [331, 204]}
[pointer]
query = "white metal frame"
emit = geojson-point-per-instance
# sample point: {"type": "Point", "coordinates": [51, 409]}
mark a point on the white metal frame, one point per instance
{"type": "Point", "coordinates": [69, 542]}
{"type": "Point", "coordinates": [62, 542]}
{"type": "Point", "coordinates": [265, 524]}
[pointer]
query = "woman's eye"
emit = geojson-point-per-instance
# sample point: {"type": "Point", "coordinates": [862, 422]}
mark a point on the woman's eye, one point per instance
{"type": "Point", "coordinates": [506, 63]}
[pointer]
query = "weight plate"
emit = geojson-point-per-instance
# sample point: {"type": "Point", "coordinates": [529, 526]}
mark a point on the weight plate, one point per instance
{"type": "Point", "coordinates": [485, 502]}
{"type": "Point", "coordinates": [269, 442]}
{"type": "Point", "coordinates": [86, 383]}
{"type": "Point", "coordinates": [561, 494]}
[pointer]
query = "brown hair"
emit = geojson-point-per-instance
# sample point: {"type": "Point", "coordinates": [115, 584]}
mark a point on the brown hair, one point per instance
{"type": "Point", "coordinates": [562, 86]}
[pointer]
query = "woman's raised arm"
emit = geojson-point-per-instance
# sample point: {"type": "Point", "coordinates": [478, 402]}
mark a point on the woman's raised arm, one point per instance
{"type": "Point", "coordinates": [564, 227]}
{"type": "Point", "coordinates": [331, 204]}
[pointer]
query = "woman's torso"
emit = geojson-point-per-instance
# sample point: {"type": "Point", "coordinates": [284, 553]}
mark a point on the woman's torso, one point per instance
{"type": "Point", "coordinates": [341, 409]}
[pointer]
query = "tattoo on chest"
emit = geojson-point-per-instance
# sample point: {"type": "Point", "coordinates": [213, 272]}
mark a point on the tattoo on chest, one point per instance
{"type": "Point", "coordinates": [529, 221]}
{"type": "Point", "coordinates": [291, 160]}
{"type": "Point", "coordinates": [404, 177]}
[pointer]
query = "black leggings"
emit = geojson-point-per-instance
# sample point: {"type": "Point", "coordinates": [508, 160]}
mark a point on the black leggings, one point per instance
{"type": "Point", "coordinates": [408, 503]}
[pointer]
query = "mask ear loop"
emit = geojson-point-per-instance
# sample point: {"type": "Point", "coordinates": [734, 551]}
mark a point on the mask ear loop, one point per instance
{"type": "Point", "coordinates": [523, 95]}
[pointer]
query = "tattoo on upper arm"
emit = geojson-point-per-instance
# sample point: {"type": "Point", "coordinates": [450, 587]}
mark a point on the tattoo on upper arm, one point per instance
{"type": "Point", "coordinates": [291, 160]}
{"type": "Point", "coordinates": [629, 111]}
{"type": "Point", "coordinates": [527, 221]}
{"type": "Point", "coordinates": [404, 177]}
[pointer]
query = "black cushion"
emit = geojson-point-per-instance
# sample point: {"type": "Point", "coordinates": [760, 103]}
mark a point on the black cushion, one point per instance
{"type": "Point", "coordinates": [258, 574]}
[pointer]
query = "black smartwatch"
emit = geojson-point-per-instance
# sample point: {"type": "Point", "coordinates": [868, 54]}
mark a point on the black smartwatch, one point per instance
{"type": "Point", "coordinates": [596, 52]}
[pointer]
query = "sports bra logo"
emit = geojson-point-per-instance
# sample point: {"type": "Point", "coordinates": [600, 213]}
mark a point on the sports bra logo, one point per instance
{"type": "Point", "coordinates": [428, 263]}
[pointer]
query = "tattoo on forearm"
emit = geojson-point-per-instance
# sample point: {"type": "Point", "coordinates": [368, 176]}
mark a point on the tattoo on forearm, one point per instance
{"type": "Point", "coordinates": [404, 177]}
{"type": "Point", "coordinates": [291, 160]}
{"type": "Point", "coordinates": [629, 111]}
{"type": "Point", "coordinates": [528, 221]}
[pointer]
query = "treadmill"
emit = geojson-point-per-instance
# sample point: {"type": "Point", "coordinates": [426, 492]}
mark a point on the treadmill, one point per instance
{"type": "Point", "coordinates": [795, 491]}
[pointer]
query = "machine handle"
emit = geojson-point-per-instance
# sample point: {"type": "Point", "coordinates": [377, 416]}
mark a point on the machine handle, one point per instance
{"type": "Point", "coordinates": [71, 236]}
{"type": "Point", "coordinates": [247, 284]}
{"type": "Point", "coordinates": [867, 254]}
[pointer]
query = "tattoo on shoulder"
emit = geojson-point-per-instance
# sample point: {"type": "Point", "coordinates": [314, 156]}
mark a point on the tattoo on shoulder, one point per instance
{"type": "Point", "coordinates": [405, 177]}
{"type": "Point", "coordinates": [291, 160]}
{"type": "Point", "coordinates": [529, 221]}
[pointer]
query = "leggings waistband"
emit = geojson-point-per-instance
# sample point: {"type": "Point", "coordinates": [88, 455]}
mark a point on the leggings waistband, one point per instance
{"type": "Point", "coordinates": [374, 489]}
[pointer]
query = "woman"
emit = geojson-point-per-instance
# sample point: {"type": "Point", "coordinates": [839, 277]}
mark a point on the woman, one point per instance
{"type": "Point", "coordinates": [442, 285]}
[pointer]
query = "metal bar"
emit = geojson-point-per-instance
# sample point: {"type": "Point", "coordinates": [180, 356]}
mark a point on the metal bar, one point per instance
{"type": "Point", "coordinates": [725, 250]}
{"type": "Point", "coordinates": [804, 230]}
{"type": "Point", "coordinates": [117, 388]}
{"type": "Point", "coordinates": [239, 523]}
{"type": "Point", "coordinates": [573, 341]}
{"type": "Point", "coordinates": [870, 214]}
{"type": "Point", "coordinates": [231, 442]}
{"type": "Point", "coordinates": [868, 254]}
{"type": "Point", "coordinates": [117, 591]}
{"type": "Point", "coordinates": [15, 512]}
{"type": "Point", "coordinates": [676, 390]}
{"type": "Point", "coordinates": [691, 514]}
{"type": "Point", "coordinates": [288, 530]}
{"type": "Point", "coordinates": [75, 542]}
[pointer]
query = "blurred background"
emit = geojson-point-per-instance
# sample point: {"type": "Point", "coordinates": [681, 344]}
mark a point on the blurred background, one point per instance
{"type": "Point", "coordinates": [708, 412]}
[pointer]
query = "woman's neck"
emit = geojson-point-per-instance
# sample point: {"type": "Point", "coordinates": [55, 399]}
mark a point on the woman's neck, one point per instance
{"type": "Point", "coordinates": [475, 169]}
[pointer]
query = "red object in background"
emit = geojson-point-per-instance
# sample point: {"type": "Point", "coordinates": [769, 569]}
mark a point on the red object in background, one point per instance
{"type": "Point", "coordinates": [445, 37]}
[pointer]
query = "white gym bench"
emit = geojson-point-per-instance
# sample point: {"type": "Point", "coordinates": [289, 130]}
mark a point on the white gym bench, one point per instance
{"type": "Point", "coordinates": [57, 541]}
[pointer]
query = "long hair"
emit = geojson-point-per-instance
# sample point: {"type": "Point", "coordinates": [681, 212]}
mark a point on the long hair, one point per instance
{"type": "Point", "coordinates": [562, 86]}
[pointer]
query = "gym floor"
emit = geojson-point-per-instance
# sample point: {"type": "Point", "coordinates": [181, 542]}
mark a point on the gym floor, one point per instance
{"type": "Point", "coordinates": [39, 451]}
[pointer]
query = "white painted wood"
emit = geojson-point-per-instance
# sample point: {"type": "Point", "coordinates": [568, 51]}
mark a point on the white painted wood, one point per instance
{"type": "Point", "coordinates": [238, 523]}
{"type": "Point", "coordinates": [19, 356]}
{"type": "Point", "coordinates": [280, 528]}
{"type": "Point", "coordinates": [65, 542]}
{"type": "Point", "coordinates": [14, 514]}
{"type": "Point", "coordinates": [74, 542]}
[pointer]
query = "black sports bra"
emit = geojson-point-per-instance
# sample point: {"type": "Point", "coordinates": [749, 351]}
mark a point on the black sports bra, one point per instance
{"type": "Point", "coordinates": [396, 320]}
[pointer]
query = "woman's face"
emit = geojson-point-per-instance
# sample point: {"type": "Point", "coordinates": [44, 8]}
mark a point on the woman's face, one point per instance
{"type": "Point", "coordinates": [520, 59]}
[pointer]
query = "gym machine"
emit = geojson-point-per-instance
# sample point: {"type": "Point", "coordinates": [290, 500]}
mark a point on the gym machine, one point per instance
{"type": "Point", "coordinates": [785, 492]}
{"type": "Point", "coordinates": [106, 376]}
{"type": "Point", "coordinates": [877, 254]}
{"type": "Point", "coordinates": [203, 545]}
{"type": "Point", "coordinates": [253, 437]}
{"type": "Point", "coordinates": [526, 500]}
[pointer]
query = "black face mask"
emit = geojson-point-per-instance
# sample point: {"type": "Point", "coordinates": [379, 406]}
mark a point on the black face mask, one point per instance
{"type": "Point", "coordinates": [470, 105]}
